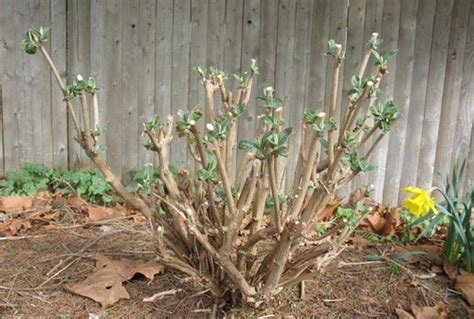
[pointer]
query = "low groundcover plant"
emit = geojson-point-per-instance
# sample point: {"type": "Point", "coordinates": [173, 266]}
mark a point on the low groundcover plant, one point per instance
{"type": "Point", "coordinates": [229, 224]}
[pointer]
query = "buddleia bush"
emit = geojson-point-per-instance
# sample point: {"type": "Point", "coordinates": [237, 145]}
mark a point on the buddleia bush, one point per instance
{"type": "Point", "coordinates": [230, 225]}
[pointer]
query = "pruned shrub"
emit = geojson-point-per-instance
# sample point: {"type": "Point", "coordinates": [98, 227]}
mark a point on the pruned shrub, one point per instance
{"type": "Point", "coordinates": [230, 225]}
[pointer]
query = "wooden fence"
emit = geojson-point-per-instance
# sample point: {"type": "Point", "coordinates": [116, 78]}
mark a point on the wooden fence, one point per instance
{"type": "Point", "coordinates": [142, 53]}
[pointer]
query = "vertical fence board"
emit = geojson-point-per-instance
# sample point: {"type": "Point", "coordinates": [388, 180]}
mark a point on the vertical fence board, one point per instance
{"type": "Point", "coordinates": [354, 50]}
{"type": "Point", "coordinates": [250, 50]}
{"type": "Point", "coordinates": [11, 47]}
{"type": "Point", "coordinates": [164, 40]}
{"type": "Point", "coordinates": [284, 49]}
{"type": "Point", "coordinates": [3, 57]}
{"type": "Point", "coordinates": [426, 12]}
{"type": "Point", "coordinates": [318, 62]}
{"type": "Point", "coordinates": [112, 83]}
{"type": "Point", "coordinates": [390, 27]}
{"type": "Point", "coordinates": [180, 72]}
{"type": "Point", "coordinates": [98, 59]}
{"type": "Point", "coordinates": [465, 114]}
{"type": "Point", "coordinates": [434, 94]}
{"type": "Point", "coordinates": [146, 71]}
{"type": "Point", "coordinates": [199, 12]}
{"type": "Point", "coordinates": [78, 62]}
{"type": "Point", "coordinates": [130, 89]}
{"type": "Point", "coordinates": [373, 24]}
{"type": "Point", "coordinates": [451, 92]}
{"type": "Point", "coordinates": [59, 110]}
{"type": "Point", "coordinates": [401, 97]}
{"type": "Point", "coordinates": [298, 77]}
{"type": "Point", "coordinates": [285, 43]}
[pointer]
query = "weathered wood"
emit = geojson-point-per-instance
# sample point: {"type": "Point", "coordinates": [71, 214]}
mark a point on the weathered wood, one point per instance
{"type": "Point", "coordinates": [250, 49]}
{"type": "Point", "coordinates": [147, 75]}
{"type": "Point", "coordinates": [10, 47]}
{"type": "Point", "coordinates": [78, 62]}
{"type": "Point", "coordinates": [465, 116]}
{"type": "Point", "coordinates": [131, 75]}
{"type": "Point", "coordinates": [145, 69]}
{"type": "Point", "coordinates": [426, 12]}
{"type": "Point", "coordinates": [112, 83]}
{"type": "Point", "coordinates": [59, 111]}
{"type": "Point", "coordinates": [390, 33]}
{"type": "Point", "coordinates": [180, 73]}
{"type": "Point", "coordinates": [373, 23]}
{"type": "Point", "coordinates": [298, 75]}
{"type": "Point", "coordinates": [355, 48]}
{"type": "Point", "coordinates": [452, 90]}
{"type": "Point", "coordinates": [198, 50]}
{"type": "Point", "coordinates": [401, 97]}
{"type": "Point", "coordinates": [318, 62]}
{"type": "Point", "coordinates": [164, 40]}
{"type": "Point", "coordinates": [434, 93]}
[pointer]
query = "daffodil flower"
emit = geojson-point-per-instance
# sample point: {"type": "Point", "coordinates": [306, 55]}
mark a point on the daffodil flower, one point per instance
{"type": "Point", "coordinates": [420, 202]}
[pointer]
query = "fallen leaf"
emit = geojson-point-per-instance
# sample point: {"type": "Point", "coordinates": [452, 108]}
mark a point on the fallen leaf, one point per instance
{"type": "Point", "coordinates": [383, 220]}
{"type": "Point", "coordinates": [465, 284]}
{"type": "Point", "coordinates": [96, 213]}
{"type": "Point", "coordinates": [127, 268]}
{"type": "Point", "coordinates": [104, 285]}
{"type": "Point", "coordinates": [247, 220]}
{"type": "Point", "coordinates": [75, 201]}
{"type": "Point", "coordinates": [450, 269]}
{"type": "Point", "coordinates": [12, 227]}
{"type": "Point", "coordinates": [11, 204]}
{"type": "Point", "coordinates": [439, 311]}
{"type": "Point", "coordinates": [359, 240]}
{"type": "Point", "coordinates": [402, 314]}
{"type": "Point", "coordinates": [329, 210]}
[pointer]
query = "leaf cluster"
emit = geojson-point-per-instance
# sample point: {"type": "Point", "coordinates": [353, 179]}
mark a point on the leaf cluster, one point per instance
{"type": "Point", "coordinates": [78, 86]}
{"type": "Point", "coordinates": [34, 37]}
{"type": "Point", "coordinates": [385, 114]}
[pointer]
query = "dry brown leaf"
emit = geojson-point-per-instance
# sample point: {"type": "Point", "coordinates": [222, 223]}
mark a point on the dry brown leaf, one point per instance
{"type": "Point", "coordinates": [247, 220]}
{"type": "Point", "coordinates": [450, 269]}
{"type": "Point", "coordinates": [439, 311]}
{"type": "Point", "coordinates": [12, 227]}
{"type": "Point", "coordinates": [329, 210]}
{"type": "Point", "coordinates": [465, 284]}
{"type": "Point", "coordinates": [105, 284]}
{"type": "Point", "coordinates": [402, 314]}
{"type": "Point", "coordinates": [10, 204]}
{"type": "Point", "coordinates": [359, 240]}
{"type": "Point", "coordinates": [100, 213]}
{"type": "Point", "coordinates": [75, 201]}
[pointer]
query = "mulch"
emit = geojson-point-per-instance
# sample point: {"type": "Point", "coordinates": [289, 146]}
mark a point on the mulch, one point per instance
{"type": "Point", "coordinates": [35, 270]}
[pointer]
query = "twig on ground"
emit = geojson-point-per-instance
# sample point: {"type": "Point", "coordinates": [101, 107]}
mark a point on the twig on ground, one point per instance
{"type": "Point", "coordinates": [21, 237]}
{"type": "Point", "coordinates": [160, 295]}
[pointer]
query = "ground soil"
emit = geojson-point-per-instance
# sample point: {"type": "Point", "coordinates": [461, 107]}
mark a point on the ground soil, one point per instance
{"type": "Point", "coordinates": [355, 288]}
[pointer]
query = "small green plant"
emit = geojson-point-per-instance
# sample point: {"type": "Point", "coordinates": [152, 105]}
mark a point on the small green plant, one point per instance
{"type": "Point", "coordinates": [144, 180]}
{"type": "Point", "coordinates": [34, 178]}
{"type": "Point", "coordinates": [457, 209]}
{"type": "Point", "coordinates": [380, 293]}
{"type": "Point", "coordinates": [88, 182]}
{"type": "Point", "coordinates": [394, 268]}
{"type": "Point", "coordinates": [29, 180]}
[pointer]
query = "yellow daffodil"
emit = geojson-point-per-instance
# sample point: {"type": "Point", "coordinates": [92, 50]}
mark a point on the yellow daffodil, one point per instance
{"type": "Point", "coordinates": [420, 202]}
